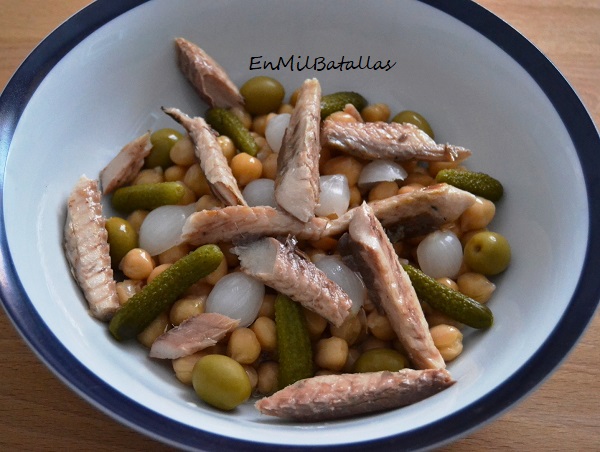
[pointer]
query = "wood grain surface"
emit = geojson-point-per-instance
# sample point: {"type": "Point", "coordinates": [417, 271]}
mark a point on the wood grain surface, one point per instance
{"type": "Point", "coordinates": [38, 412]}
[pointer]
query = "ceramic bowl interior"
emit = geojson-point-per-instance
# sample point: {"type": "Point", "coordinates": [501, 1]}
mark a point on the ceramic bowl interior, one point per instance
{"type": "Point", "coordinates": [100, 80]}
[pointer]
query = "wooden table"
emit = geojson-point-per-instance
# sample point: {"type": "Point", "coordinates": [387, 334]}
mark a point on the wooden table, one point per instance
{"type": "Point", "coordinates": [37, 412]}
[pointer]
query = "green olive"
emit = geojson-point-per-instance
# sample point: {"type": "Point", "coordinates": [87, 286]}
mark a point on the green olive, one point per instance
{"type": "Point", "coordinates": [122, 237]}
{"type": "Point", "coordinates": [378, 359]}
{"type": "Point", "coordinates": [262, 95]}
{"type": "Point", "coordinates": [162, 141]}
{"type": "Point", "coordinates": [221, 382]}
{"type": "Point", "coordinates": [416, 119]}
{"type": "Point", "coordinates": [487, 253]}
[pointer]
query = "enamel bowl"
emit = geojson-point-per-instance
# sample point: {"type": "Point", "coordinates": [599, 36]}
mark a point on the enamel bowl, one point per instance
{"type": "Point", "coordinates": [99, 81]}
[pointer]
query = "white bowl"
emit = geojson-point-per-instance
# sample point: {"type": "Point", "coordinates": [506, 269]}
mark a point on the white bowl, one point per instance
{"type": "Point", "coordinates": [100, 80]}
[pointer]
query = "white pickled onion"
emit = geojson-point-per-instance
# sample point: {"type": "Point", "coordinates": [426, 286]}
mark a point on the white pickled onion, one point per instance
{"type": "Point", "coordinates": [238, 296]}
{"type": "Point", "coordinates": [260, 192]}
{"type": "Point", "coordinates": [334, 197]}
{"type": "Point", "coordinates": [380, 171]}
{"type": "Point", "coordinates": [275, 130]}
{"type": "Point", "coordinates": [440, 254]}
{"type": "Point", "coordinates": [343, 276]}
{"type": "Point", "coordinates": [161, 229]}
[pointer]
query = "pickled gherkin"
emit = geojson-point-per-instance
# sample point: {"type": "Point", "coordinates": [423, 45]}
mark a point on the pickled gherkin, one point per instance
{"type": "Point", "coordinates": [147, 196]}
{"type": "Point", "coordinates": [448, 301]}
{"type": "Point", "coordinates": [331, 103]}
{"type": "Point", "coordinates": [293, 342]}
{"type": "Point", "coordinates": [226, 123]}
{"type": "Point", "coordinates": [479, 184]}
{"type": "Point", "coordinates": [143, 307]}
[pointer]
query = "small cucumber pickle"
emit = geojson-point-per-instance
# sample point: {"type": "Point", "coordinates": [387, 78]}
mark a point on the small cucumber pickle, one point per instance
{"type": "Point", "coordinates": [147, 196]}
{"type": "Point", "coordinates": [160, 293]}
{"type": "Point", "coordinates": [448, 301]}
{"type": "Point", "coordinates": [331, 103]}
{"type": "Point", "coordinates": [479, 184]}
{"type": "Point", "coordinates": [262, 95]}
{"type": "Point", "coordinates": [162, 141]}
{"type": "Point", "coordinates": [226, 123]}
{"type": "Point", "coordinates": [293, 342]}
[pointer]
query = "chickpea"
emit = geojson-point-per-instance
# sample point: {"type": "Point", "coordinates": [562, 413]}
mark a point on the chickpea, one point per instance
{"type": "Point", "coordinates": [207, 202]}
{"type": "Point", "coordinates": [353, 354]}
{"type": "Point", "coordinates": [184, 366]}
{"type": "Point", "coordinates": [465, 237]}
{"type": "Point", "coordinates": [173, 254]}
{"type": "Point", "coordinates": [376, 112]}
{"type": "Point", "coordinates": [231, 258]}
{"type": "Point", "coordinates": [331, 353]}
{"type": "Point", "coordinates": [294, 97]}
{"type": "Point", "coordinates": [478, 215]}
{"type": "Point", "coordinates": [268, 372]}
{"type": "Point", "coordinates": [380, 327]}
{"type": "Point", "coordinates": [199, 289]}
{"type": "Point", "coordinates": [149, 176]}
{"type": "Point", "coordinates": [435, 318]}
{"type": "Point", "coordinates": [325, 155]}
{"type": "Point", "coordinates": [217, 274]}
{"type": "Point", "coordinates": [218, 349]}
{"type": "Point", "coordinates": [286, 108]}
{"type": "Point", "coordinates": [259, 124]}
{"type": "Point", "coordinates": [372, 342]}
{"type": "Point", "coordinates": [346, 165]}
{"type": "Point", "coordinates": [186, 307]}
{"type": "Point", "coordinates": [137, 264]}
{"type": "Point", "coordinates": [269, 166]}
{"type": "Point", "coordinates": [383, 190]}
{"type": "Point", "coordinates": [246, 168]}
{"type": "Point", "coordinates": [157, 271]}
{"type": "Point", "coordinates": [350, 330]}
{"type": "Point", "coordinates": [476, 286]}
{"type": "Point", "coordinates": [188, 197]}
{"type": "Point", "coordinates": [136, 218]}
{"type": "Point", "coordinates": [355, 197]}
{"type": "Point", "coordinates": [419, 178]}
{"type": "Point", "coordinates": [314, 323]}
{"type": "Point", "coordinates": [267, 308]}
{"type": "Point", "coordinates": [252, 375]}
{"type": "Point", "coordinates": [409, 188]}
{"type": "Point", "coordinates": [448, 282]}
{"type": "Point", "coordinates": [158, 326]}
{"type": "Point", "coordinates": [436, 167]}
{"type": "Point", "coordinates": [196, 180]}
{"type": "Point", "coordinates": [182, 153]}
{"type": "Point", "coordinates": [342, 116]}
{"type": "Point", "coordinates": [243, 346]}
{"type": "Point", "coordinates": [448, 340]}
{"type": "Point", "coordinates": [127, 289]}
{"type": "Point", "coordinates": [227, 146]}
{"type": "Point", "coordinates": [260, 141]}
{"type": "Point", "coordinates": [325, 244]}
{"type": "Point", "coordinates": [175, 173]}
{"type": "Point", "coordinates": [266, 333]}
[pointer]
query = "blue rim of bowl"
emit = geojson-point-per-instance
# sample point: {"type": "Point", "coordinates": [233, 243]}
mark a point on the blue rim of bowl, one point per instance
{"type": "Point", "coordinates": [570, 327]}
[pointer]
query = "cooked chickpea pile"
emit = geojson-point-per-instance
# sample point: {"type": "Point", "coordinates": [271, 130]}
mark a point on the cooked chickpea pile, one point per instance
{"type": "Point", "coordinates": [365, 341]}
